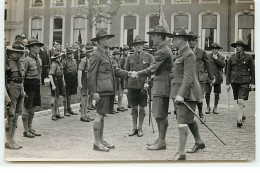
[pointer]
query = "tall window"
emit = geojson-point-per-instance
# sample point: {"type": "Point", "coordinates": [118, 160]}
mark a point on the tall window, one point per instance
{"type": "Point", "coordinates": [79, 29]}
{"type": "Point", "coordinates": [130, 29]}
{"type": "Point", "coordinates": [36, 3]}
{"type": "Point", "coordinates": [246, 29]}
{"type": "Point", "coordinates": [153, 21]}
{"type": "Point", "coordinates": [36, 28]}
{"type": "Point", "coordinates": [58, 3]}
{"type": "Point", "coordinates": [57, 30]}
{"type": "Point", "coordinates": [181, 19]}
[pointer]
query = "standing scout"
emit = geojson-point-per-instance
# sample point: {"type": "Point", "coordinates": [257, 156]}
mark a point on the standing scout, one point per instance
{"type": "Point", "coordinates": [14, 78]}
{"type": "Point", "coordinates": [217, 63]}
{"type": "Point", "coordinates": [203, 68]}
{"type": "Point", "coordinates": [70, 75]}
{"type": "Point", "coordinates": [241, 76]}
{"type": "Point", "coordinates": [161, 67]}
{"type": "Point", "coordinates": [85, 101]}
{"type": "Point", "coordinates": [185, 87]}
{"type": "Point", "coordinates": [57, 84]}
{"type": "Point", "coordinates": [32, 67]}
{"type": "Point", "coordinates": [137, 87]}
{"type": "Point", "coordinates": [101, 79]}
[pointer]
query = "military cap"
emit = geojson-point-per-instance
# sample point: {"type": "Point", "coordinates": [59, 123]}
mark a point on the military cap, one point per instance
{"type": "Point", "coordinates": [194, 36]}
{"type": "Point", "coordinates": [101, 34]}
{"type": "Point", "coordinates": [33, 41]}
{"type": "Point", "coordinates": [88, 48]}
{"type": "Point", "coordinates": [17, 46]}
{"type": "Point", "coordinates": [158, 30]}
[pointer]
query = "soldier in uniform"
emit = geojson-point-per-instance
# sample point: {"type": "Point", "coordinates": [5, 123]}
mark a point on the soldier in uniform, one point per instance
{"type": "Point", "coordinates": [185, 87]}
{"type": "Point", "coordinates": [15, 90]}
{"type": "Point", "coordinates": [85, 100]}
{"type": "Point", "coordinates": [71, 79]}
{"type": "Point", "coordinates": [161, 68]}
{"type": "Point", "coordinates": [137, 88]}
{"type": "Point", "coordinates": [32, 66]}
{"type": "Point", "coordinates": [101, 79]}
{"type": "Point", "coordinates": [204, 70]}
{"type": "Point", "coordinates": [241, 76]}
{"type": "Point", "coordinates": [217, 62]}
{"type": "Point", "coordinates": [57, 84]}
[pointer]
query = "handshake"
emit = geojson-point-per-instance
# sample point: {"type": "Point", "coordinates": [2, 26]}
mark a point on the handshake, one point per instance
{"type": "Point", "coordinates": [133, 74]}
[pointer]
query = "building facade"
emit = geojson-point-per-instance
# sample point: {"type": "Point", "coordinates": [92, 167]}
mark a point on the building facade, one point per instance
{"type": "Point", "coordinates": [222, 21]}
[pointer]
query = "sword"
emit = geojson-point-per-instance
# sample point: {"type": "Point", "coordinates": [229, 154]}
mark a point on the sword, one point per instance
{"type": "Point", "coordinates": [203, 122]}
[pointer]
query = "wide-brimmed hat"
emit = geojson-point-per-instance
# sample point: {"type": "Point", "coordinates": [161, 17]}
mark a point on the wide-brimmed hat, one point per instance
{"type": "Point", "coordinates": [88, 48]}
{"type": "Point", "coordinates": [125, 47]}
{"type": "Point", "coordinates": [56, 54]}
{"type": "Point", "coordinates": [138, 40]}
{"type": "Point", "coordinates": [33, 41]}
{"type": "Point", "coordinates": [215, 46]}
{"type": "Point", "coordinates": [194, 36]}
{"type": "Point", "coordinates": [17, 46]}
{"type": "Point", "coordinates": [101, 34]}
{"type": "Point", "coordinates": [239, 42]}
{"type": "Point", "coordinates": [180, 32]}
{"type": "Point", "coordinates": [114, 47]}
{"type": "Point", "coordinates": [69, 50]}
{"type": "Point", "coordinates": [116, 53]}
{"type": "Point", "coordinates": [158, 30]}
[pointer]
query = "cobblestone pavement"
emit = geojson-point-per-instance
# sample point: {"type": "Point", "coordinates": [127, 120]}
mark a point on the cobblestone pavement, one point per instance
{"type": "Point", "coordinates": [71, 139]}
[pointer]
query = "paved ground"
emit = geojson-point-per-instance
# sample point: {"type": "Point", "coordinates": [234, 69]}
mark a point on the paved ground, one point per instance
{"type": "Point", "coordinates": [71, 139]}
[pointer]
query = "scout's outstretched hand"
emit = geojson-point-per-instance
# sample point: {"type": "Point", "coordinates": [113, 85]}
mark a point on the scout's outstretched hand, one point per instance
{"type": "Point", "coordinates": [133, 74]}
{"type": "Point", "coordinates": [178, 100]}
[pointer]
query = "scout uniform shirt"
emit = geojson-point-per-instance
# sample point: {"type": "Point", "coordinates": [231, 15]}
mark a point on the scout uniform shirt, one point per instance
{"type": "Point", "coordinates": [32, 67]}
{"type": "Point", "coordinates": [217, 66]}
{"type": "Point", "coordinates": [56, 70]}
{"type": "Point", "coordinates": [84, 66]}
{"type": "Point", "coordinates": [14, 70]}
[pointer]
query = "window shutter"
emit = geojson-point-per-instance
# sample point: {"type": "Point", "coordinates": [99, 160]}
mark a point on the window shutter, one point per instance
{"type": "Point", "coordinates": [209, 21]}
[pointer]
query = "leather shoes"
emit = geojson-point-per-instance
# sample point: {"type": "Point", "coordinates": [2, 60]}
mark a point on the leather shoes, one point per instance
{"type": "Point", "coordinates": [133, 132]}
{"type": "Point", "coordinates": [239, 124]}
{"type": "Point", "coordinates": [196, 148]}
{"type": "Point", "coordinates": [28, 135]}
{"type": "Point", "coordinates": [179, 156]}
{"type": "Point", "coordinates": [34, 133]}
{"type": "Point", "coordinates": [54, 118]}
{"type": "Point", "coordinates": [100, 147]}
{"type": "Point", "coordinates": [140, 133]}
{"type": "Point", "coordinates": [208, 110]}
{"type": "Point", "coordinates": [84, 119]}
{"type": "Point", "coordinates": [156, 147]}
{"type": "Point", "coordinates": [243, 118]}
{"type": "Point", "coordinates": [215, 111]}
{"type": "Point", "coordinates": [108, 145]}
{"type": "Point", "coordinates": [59, 116]}
{"type": "Point", "coordinates": [72, 113]}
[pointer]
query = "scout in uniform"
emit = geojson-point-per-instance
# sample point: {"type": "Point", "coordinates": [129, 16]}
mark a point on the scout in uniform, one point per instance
{"type": "Point", "coordinates": [15, 90]}
{"type": "Point", "coordinates": [71, 79]}
{"type": "Point", "coordinates": [32, 66]}
{"type": "Point", "coordinates": [137, 87]}
{"type": "Point", "coordinates": [101, 81]}
{"type": "Point", "coordinates": [161, 68]}
{"type": "Point", "coordinates": [217, 62]}
{"type": "Point", "coordinates": [204, 70]}
{"type": "Point", "coordinates": [241, 76]}
{"type": "Point", "coordinates": [57, 84]}
{"type": "Point", "coordinates": [185, 87]}
{"type": "Point", "coordinates": [85, 100]}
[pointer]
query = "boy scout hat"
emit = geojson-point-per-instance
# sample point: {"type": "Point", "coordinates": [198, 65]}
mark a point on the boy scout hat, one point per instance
{"type": "Point", "coordinates": [180, 32]}
{"type": "Point", "coordinates": [159, 30]}
{"type": "Point", "coordinates": [125, 47]}
{"type": "Point", "coordinates": [69, 50]}
{"type": "Point", "coordinates": [56, 54]}
{"type": "Point", "coordinates": [88, 48]}
{"type": "Point", "coordinates": [138, 40]}
{"type": "Point", "coordinates": [194, 36]}
{"type": "Point", "coordinates": [101, 34]}
{"type": "Point", "coordinates": [33, 41]}
{"type": "Point", "coordinates": [215, 46]}
{"type": "Point", "coordinates": [17, 46]}
{"type": "Point", "coordinates": [239, 42]}
{"type": "Point", "coordinates": [116, 53]}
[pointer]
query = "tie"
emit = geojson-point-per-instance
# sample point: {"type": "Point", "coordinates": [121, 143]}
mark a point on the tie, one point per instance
{"type": "Point", "coordinates": [38, 65]}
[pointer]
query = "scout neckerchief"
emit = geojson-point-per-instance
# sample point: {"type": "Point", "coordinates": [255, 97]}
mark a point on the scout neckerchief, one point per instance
{"type": "Point", "coordinates": [20, 70]}
{"type": "Point", "coordinates": [37, 62]}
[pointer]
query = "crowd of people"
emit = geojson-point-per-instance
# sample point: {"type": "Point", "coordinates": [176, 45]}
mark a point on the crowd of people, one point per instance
{"type": "Point", "coordinates": [103, 74]}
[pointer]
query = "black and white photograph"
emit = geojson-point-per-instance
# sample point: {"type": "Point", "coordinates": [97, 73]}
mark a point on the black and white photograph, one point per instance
{"type": "Point", "coordinates": [129, 80]}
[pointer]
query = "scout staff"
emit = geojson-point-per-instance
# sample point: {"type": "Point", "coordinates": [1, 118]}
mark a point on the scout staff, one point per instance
{"type": "Point", "coordinates": [161, 67]}
{"type": "Point", "coordinates": [15, 92]}
{"type": "Point", "coordinates": [32, 67]}
{"type": "Point", "coordinates": [137, 87]}
{"type": "Point", "coordinates": [241, 76]}
{"type": "Point", "coordinates": [217, 62]}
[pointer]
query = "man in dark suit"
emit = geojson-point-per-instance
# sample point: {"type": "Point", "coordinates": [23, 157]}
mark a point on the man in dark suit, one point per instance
{"type": "Point", "coordinates": [101, 82]}
{"type": "Point", "coordinates": [204, 69]}
{"type": "Point", "coordinates": [44, 55]}
{"type": "Point", "coordinates": [185, 87]}
{"type": "Point", "coordinates": [241, 76]}
{"type": "Point", "coordinates": [161, 68]}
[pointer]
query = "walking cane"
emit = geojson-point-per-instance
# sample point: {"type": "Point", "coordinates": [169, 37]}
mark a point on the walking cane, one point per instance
{"type": "Point", "coordinates": [203, 122]}
{"type": "Point", "coordinates": [150, 102]}
{"type": "Point", "coordinates": [228, 103]}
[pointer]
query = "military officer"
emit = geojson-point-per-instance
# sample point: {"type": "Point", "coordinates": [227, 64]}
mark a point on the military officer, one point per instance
{"type": "Point", "coordinates": [101, 79]}
{"type": "Point", "coordinates": [57, 84]}
{"type": "Point", "coordinates": [185, 87]}
{"type": "Point", "coordinates": [32, 66]}
{"type": "Point", "coordinates": [137, 88]}
{"type": "Point", "coordinates": [217, 62]}
{"type": "Point", "coordinates": [85, 100]}
{"type": "Point", "coordinates": [161, 67]}
{"type": "Point", "coordinates": [70, 75]}
{"type": "Point", "coordinates": [15, 90]}
{"type": "Point", "coordinates": [241, 76]}
{"type": "Point", "coordinates": [204, 69]}
{"type": "Point", "coordinates": [44, 55]}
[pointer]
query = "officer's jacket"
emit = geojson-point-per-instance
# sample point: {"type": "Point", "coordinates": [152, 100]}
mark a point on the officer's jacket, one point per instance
{"type": "Point", "coordinates": [56, 70]}
{"type": "Point", "coordinates": [217, 66]}
{"type": "Point", "coordinates": [240, 70]}
{"type": "Point", "coordinates": [70, 66]}
{"type": "Point", "coordinates": [161, 67]}
{"type": "Point", "coordinates": [102, 73]}
{"type": "Point", "coordinates": [138, 63]}
{"type": "Point", "coordinates": [203, 66]}
{"type": "Point", "coordinates": [32, 70]}
{"type": "Point", "coordinates": [14, 70]}
{"type": "Point", "coordinates": [183, 77]}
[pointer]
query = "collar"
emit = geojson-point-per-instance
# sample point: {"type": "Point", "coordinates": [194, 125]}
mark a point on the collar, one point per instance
{"type": "Point", "coordinates": [194, 49]}
{"type": "Point", "coordinates": [14, 59]}
{"type": "Point", "coordinates": [163, 44]}
{"type": "Point", "coordinates": [183, 49]}
{"type": "Point", "coordinates": [33, 56]}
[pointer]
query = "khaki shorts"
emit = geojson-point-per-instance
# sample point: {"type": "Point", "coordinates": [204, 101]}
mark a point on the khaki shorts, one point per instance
{"type": "Point", "coordinates": [160, 107]}
{"type": "Point", "coordinates": [183, 114]}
